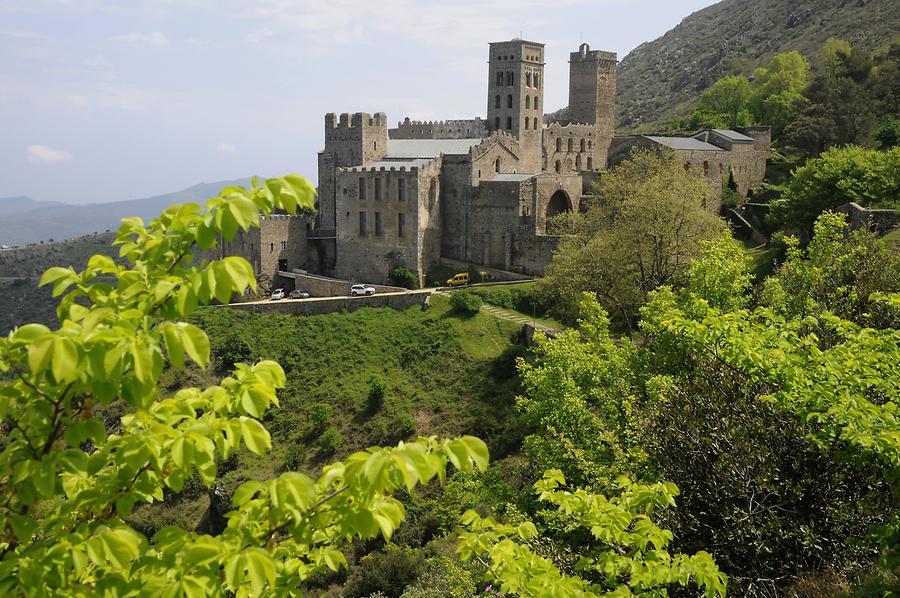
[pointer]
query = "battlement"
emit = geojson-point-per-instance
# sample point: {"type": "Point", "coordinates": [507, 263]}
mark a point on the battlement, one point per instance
{"type": "Point", "coordinates": [282, 217]}
{"type": "Point", "coordinates": [440, 129]}
{"type": "Point", "coordinates": [355, 120]}
{"type": "Point", "coordinates": [570, 127]}
{"type": "Point", "coordinates": [414, 170]}
{"type": "Point", "coordinates": [585, 54]}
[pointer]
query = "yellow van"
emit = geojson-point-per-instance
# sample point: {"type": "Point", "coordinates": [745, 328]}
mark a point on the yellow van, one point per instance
{"type": "Point", "coordinates": [459, 280]}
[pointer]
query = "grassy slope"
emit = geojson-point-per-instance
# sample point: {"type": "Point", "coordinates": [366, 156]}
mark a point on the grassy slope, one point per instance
{"type": "Point", "coordinates": [662, 78]}
{"type": "Point", "coordinates": [444, 374]}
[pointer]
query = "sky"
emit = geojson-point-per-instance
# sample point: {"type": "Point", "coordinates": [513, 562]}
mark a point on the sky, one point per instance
{"type": "Point", "coordinates": [106, 100]}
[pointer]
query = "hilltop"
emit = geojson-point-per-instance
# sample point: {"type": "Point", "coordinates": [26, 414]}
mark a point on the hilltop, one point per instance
{"type": "Point", "coordinates": [661, 79]}
{"type": "Point", "coordinates": [26, 221]}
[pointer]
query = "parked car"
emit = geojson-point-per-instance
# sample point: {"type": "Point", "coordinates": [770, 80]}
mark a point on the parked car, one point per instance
{"type": "Point", "coordinates": [298, 294]}
{"type": "Point", "coordinates": [277, 294]}
{"type": "Point", "coordinates": [459, 280]}
{"type": "Point", "coordinates": [361, 289]}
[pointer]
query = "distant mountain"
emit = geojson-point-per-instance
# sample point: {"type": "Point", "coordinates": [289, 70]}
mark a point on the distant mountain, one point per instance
{"type": "Point", "coordinates": [663, 78]}
{"type": "Point", "coordinates": [65, 221]}
{"type": "Point", "coordinates": [18, 205]}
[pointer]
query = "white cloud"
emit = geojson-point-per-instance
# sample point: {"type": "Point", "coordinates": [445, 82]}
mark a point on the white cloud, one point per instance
{"type": "Point", "coordinates": [226, 148]}
{"type": "Point", "coordinates": [97, 62]}
{"type": "Point", "coordinates": [153, 38]}
{"type": "Point", "coordinates": [29, 35]}
{"type": "Point", "coordinates": [42, 153]}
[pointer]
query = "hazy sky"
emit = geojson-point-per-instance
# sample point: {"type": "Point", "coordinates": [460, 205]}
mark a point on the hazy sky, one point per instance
{"type": "Point", "coordinates": [104, 100]}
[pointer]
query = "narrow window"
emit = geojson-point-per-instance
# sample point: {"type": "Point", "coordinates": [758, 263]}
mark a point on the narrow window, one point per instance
{"type": "Point", "coordinates": [378, 230]}
{"type": "Point", "coordinates": [705, 168]}
{"type": "Point", "coordinates": [537, 80]}
{"type": "Point", "coordinates": [535, 102]}
{"type": "Point", "coordinates": [499, 78]}
{"type": "Point", "coordinates": [496, 123]}
{"type": "Point", "coordinates": [496, 101]}
{"type": "Point", "coordinates": [558, 166]}
{"type": "Point", "coordinates": [497, 165]}
{"type": "Point", "coordinates": [528, 102]}
{"type": "Point", "coordinates": [590, 163]}
{"type": "Point", "coordinates": [283, 245]}
{"type": "Point", "coordinates": [271, 247]}
{"type": "Point", "coordinates": [401, 221]}
{"type": "Point", "coordinates": [528, 79]}
{"type": "Point", "coordinates": [509, 101]}
{"type": "Point", "coordinates": [374, 145]}
{"type": "Point", "coordinates": [509, 78]}
{"type": "Point", "coordinates": [509, 123]}
{"type": "Point", "coordinates": [362, 187]}
{"type": "Point", "coordinates": [590, 144]}
{"type": "Point", "coordinates": [401, 189]}
{"type": "Point", "coordinates": [578, 162]}
{"type": "Point", "coordinates": [570, 144]}
{"type": "Point", "coordinates": [526, 123]}
{"type": "Point", "coordinates": [362, 223]}
{"type": "Point", "coordinates": [558, 144]}
{"type": "Point", "coordinates": [582, 145]}
{"type": "Point", "coordinates": [378, 188]}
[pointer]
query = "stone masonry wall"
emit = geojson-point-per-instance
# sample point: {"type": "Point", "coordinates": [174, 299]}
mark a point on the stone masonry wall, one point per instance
{"type": "Point", "coordinates": [443, 129]}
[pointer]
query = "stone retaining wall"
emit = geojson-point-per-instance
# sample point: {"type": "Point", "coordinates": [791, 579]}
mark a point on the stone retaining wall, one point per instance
{"type": "Point", "coordinates": [322, 286]}
{"type": "Point", "coordinates": [326, 305]}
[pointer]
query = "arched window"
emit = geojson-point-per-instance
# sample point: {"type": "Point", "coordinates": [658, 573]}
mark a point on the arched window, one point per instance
{"type": "Point", "coordinates": [590, 144]}
{"type": "Point", "coordinates": [527, 102]}
{"type": "Point", "coordinates": [537, 80]}
{"type": "Point", "coordinates": [558, 145]}
{"type": "Point", "coordinates": [496, 101]}
{"type": "Point", "coordinates": [510, 79]}
{"type": "Point", "coordinates": [526, 123]}
{"type": "Point", "coordinates": [558, 166]}
{"type": "Point", "coordinates": [582, 145]}
{"type": "Point", "coordinates": [535, 102]}
{"type": "Point", "coordinates": [509, 101]}
{"type": "Point", "coordinates": [578, 162]}
{"type": "Point", "coordinates": [509, 123]}
{"type": "Point", "coordinates": [528, 79]}
{"type": "Point", "coordinates": [497, 122]}
{"type": "Point", "coordinates": [590, 163]}
{"type": "Point", "coordinates": [499, 78]}
{"type": "Point", "coordinates": [571, 145]}
{"type": "Point", "coordinates": [497, 165]}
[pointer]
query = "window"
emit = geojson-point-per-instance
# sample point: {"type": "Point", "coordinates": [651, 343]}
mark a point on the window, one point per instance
{"type": "Point", "coordinates": [582, 145]}
{"type": "Point", "coordinates": [401, 189]}
{"type": "Point", "coordinates": [362, 223]}
{"type": "Point", "coordinates": [578, 162]}
{"type": "Point", "coordinates": [705, 168]}
{"type": "Point", "coordinates": [497, 165]}
{"type": "Point", "coordinates": [271, 247]}
{"type": "Point", "coordinates": [558, 166]}
{"type": "Point", "coordinates": [558, 144]}
{"type": "Point", "coordinates": [401, 221]}
{"type": "Point", "coordinates": [510, 78]}
{"type": "Point", "coordinates": [526, 123]}
{"type": "Point", "coordinates": [378, 195]}
{"type": "Point", "coordinates": [535, 102]}
{"type": "Point", "coordinates": [283, 245]}
{"type": "Point", "coordinates": [362, 187]}
{"type": "Point", "coordinates": [496, 101]}
{"type": "Point", "coordinates": [527, 101]}
{"type": "Point", "coordinates": [509, 123]}
{"type": "Point", "coordinates": [374, 145]}
{"type": "Point", "coordinates": [499, 78]}
{"type": "Point", "coordinates": [528, 79]}
{"type": "Point", "coordinates": [537, 80]}
{"type": "Point", "coordinates": [378, 230]}
{"type": "Point", "coordinates": [590, 144]}
{"type": "Point", "coordinates": [590, 163]}
{"type": "Point", "coordinates": [509, 101]}
{"type": "Point", "coordinates": [496, 123]}
{"type": "Point", "coordinates": [570, 146]}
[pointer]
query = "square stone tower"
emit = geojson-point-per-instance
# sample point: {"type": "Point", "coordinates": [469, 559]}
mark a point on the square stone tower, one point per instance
{"type": "Point", "coordinates": [516, 95]}
{"type": "Point", "coordinates": [592, 89]}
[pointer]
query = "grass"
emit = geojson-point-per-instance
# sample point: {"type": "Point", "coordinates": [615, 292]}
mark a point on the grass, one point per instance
{"type": "Point", "coordinates": [892, 239]}
{"type": "Point", "coordinates": [519, 298]}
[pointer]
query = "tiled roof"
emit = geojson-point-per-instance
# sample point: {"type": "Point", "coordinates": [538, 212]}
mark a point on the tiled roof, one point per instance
{"type": "Point", "coordinates": [684, 143]}
{"type": "Point", "coordinates": [732, 135]}
{"type": "Point", "coordinates": [428, 148]}
{"type": "Point", "coordinates": [513, 176]}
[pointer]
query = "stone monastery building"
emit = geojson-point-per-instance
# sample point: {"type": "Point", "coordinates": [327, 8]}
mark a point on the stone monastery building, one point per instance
{"type": "Point", "coordinates": [482, 190]}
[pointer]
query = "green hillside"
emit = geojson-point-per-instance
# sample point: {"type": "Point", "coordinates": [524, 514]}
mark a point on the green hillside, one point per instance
{"type": "Point", "coordinates": [661, 79]}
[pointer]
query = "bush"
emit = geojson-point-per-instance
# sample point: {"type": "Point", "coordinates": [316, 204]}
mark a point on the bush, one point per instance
{"type": "Point", "coordinates": [319, 415]}
{"type": "Point", "coordinates": [232, 350]}
{"type": "Point", "coordinates": [375, 398]}
{"type": "Point", "coordinates": [294, 457]}
{"type": "Point", "coordinates": [330, 441]}
{"type": "Point", "coordinates": [465, 302]}
{"type": "Point", "coordinates": [402, 276]}
{"type": "Point", "coordinates": [388, 572]}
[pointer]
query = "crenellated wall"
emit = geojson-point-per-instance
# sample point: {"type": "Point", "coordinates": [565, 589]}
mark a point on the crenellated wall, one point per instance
{"type": "Point", "coordinates": [442, 129]}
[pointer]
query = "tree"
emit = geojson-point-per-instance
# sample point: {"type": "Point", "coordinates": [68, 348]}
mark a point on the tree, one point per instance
{"type": "Point", "coordinates": [725, 105]}
{"type": "Point", "coordinates": [778, 90]}
{"type": "Point", "coordinates": [69, 486]}
{"type": "Point", "coordinates": [641, 230]}
{"type": "Point", "coordinates": [871, 178]}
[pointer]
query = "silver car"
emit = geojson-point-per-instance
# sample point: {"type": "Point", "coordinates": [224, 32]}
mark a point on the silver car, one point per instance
{"type": "Point", "coordinates": [361, 289]}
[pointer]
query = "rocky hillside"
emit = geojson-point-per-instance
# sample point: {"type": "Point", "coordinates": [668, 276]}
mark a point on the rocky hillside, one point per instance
{"type": "Point", "coordinates": [663, 78]}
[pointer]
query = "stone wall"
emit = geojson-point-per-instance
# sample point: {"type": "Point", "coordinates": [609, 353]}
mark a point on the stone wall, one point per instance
{"type": "Point", "coordinates": [312, 307]}
{"type": "Point", "coordinates": [592, 89]}
{"type": "Point", "coordinates": [279, 237]}
{"type": "Point", "coordinates": [456, 197]}
{"type": "Point", "coordinates": [574, 148]}
{"type": "Point", "coordinates": [879, 222]}
{"type": "Point", "coordinates": [443, 129]}
{"type": "Point", "coordinates": [323, 286]}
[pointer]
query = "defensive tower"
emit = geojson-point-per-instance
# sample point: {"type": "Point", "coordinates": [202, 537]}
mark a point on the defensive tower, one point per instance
{"type": "Point", "coordinates": [592, 89]}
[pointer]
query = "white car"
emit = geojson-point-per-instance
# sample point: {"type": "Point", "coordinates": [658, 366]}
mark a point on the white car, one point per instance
{"type": "Point", "coordinates": [277, 294]}
{"type": "Point", "coordinates": [361, 289]}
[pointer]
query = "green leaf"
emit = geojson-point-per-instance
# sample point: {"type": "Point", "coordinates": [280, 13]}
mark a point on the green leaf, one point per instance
{"type": "Point", "coordinates": [64, 364]}
{"type": "Point", "coordinates": [260, 568]}
{"type": "Point", "coordinates": [245, 492]}
{"type": "Point", "coordinates": [196, 344]}
{"type": "Point", "coordinates": [255, 436]}
{"type": "Point", "coordinates": [174, 346]}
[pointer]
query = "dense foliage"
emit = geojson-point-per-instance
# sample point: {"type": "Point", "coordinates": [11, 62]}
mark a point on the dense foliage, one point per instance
{"type": "Point", "coordinates": [644, 226]}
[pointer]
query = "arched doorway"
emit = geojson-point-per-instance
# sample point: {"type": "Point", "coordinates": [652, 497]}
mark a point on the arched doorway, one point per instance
{"type": "Point", "coordinates": [559, 204]}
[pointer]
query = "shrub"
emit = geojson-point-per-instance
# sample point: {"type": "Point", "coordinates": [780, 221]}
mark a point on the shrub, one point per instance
{"type": "Point", "coordinates": [232, 350]}
{"type": "Point", "coordinates": [331, 440]}
{"type": "Point", "coordinates": [388, 572]}
{"type": "Point", "coordinates": [465, 302]}
{"type": "Point", "coordinates": [319, 415]}
{"type": "Point", "coordinates": [402, 276]}
{"type": "Point", "coordinates": [294, 457]}
{"type": "Point", "coordinates": [375, 399]}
